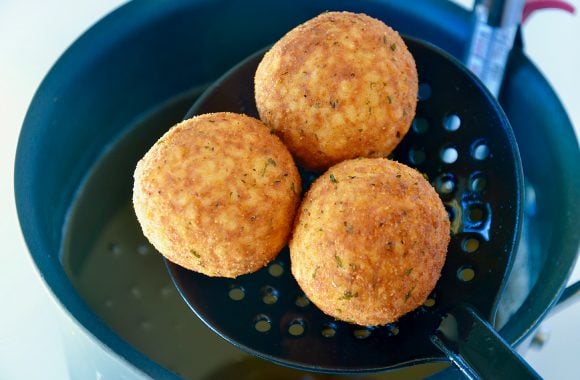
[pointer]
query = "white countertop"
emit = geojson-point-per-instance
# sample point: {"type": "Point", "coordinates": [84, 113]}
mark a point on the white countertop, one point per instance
{"type": "Point", "coordinates": [32, 36]}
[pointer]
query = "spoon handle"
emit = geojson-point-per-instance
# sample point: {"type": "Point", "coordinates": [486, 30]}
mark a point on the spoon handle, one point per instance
{"type": "Point", "coordinates": [477, 349]}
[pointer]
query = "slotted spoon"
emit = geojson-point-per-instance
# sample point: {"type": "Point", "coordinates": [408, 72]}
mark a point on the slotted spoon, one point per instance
{"type": "Point", "coordinates": [462, 141]}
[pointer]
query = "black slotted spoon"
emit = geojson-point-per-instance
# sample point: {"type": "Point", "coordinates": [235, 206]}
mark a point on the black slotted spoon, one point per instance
{"type": "Point", "coordinates": [462, 141]}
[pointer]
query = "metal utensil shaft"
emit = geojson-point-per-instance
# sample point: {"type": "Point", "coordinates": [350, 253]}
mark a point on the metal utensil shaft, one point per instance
{"type": "Point", "coordinates": [495, 27]}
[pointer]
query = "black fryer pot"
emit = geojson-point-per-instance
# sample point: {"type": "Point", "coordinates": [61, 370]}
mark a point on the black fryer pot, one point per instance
{"type": "Point", "coordinates": [145, 64]}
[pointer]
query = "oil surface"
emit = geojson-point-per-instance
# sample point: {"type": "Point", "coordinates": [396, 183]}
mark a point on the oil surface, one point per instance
{"type": "Point", "coordinates": [124, 280]}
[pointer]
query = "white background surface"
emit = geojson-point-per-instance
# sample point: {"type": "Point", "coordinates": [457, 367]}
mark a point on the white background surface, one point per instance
{"type": "Point", "coordinates": [32, 36]}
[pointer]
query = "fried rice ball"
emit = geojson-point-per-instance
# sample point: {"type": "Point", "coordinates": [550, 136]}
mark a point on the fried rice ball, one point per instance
{"type": "Point", "coordinates": [217, 194]}
{"type": "Point", "coordinates": [370, 240]}
{"type": "Point", "coordinates": [340, 86]}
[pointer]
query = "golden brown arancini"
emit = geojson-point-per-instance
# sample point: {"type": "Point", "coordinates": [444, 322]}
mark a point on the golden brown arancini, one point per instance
{"type": "Point", "coordinates": [370, 240]}
{"type": "Point", "coordinates": [217, 194]}
{"type": "Point", "coordinates": [340, 86]}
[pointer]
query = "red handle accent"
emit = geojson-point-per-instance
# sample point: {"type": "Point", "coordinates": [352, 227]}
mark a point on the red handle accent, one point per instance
{"type": "Point", "coordinates": [535, 5]}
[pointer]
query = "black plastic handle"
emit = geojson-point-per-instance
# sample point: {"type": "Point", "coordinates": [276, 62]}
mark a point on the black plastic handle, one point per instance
{"type": "Point", "coordinates": [570, 296]}
{"type": "Point", "coordinates": [477, 349]}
